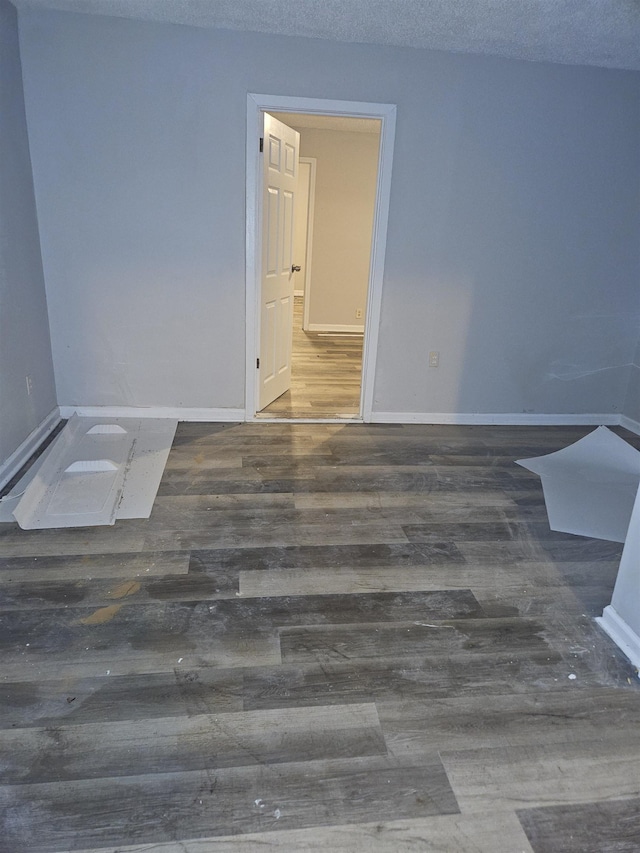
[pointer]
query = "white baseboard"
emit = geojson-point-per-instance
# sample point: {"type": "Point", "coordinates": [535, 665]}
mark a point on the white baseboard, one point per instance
{"type": "Point", "coordinates": [506, 419]}
{"type": "Point", "coordinates": [323, 327]}
{"type": "Point", "coordinates": [213, 415]}
{"type": "Point", "coordinates": [622, 635]}
{"type": "Point", "coordinates": [174, 412]}
{"type": "Point", "coordinates": [32, 442]}
{"type": "Point", "coordinates": [630, 424]}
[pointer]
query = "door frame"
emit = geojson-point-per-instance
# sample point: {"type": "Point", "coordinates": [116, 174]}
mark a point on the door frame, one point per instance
{"type": "Point", "coordinates": [257, 104]}
{"type": "Point", "coordinates": [311, 201]}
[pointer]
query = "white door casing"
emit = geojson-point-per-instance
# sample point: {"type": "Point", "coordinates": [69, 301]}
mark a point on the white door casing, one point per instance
{"type": "Point", "coordinates": [303, 215]}
{"type": "Point", "coordinates": [256, 105]}
{"type": "Point", "coordinates": [280, 175]}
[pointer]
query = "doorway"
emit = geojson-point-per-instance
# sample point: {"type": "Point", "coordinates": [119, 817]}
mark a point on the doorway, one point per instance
{"type": "Point", "coordinates": [326, 375]}
{"type": "Point", "coordinates": [336, 342]}
{"type": "Point", "coordinates": [333, 223]}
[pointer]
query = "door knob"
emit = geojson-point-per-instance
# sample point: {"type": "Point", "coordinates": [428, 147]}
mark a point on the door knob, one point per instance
{"type": "Point", "coordinates": [295, 268]}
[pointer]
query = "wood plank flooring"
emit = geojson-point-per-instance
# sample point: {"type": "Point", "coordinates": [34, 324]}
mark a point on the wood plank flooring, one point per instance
{"type": "Point", "coordinates": [338, 637]}
{"type": "Point", "coordinates": [325, 378]}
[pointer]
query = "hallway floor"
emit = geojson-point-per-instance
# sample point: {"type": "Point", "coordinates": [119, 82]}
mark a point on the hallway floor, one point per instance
{"type": "Point", "coordinates": [326, 375]}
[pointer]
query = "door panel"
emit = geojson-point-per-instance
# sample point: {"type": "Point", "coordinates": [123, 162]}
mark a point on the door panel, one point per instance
{"type": "Point", "coordinates": [280, 174]}
{"type": "Point", "coordinates": [287, 232]}
{"type": "Point", "coordinates": [271, 231]}
{"type": "Point", "coordinates": [284, 346]}
{"type": "Point", "coordinates": [268, 362]}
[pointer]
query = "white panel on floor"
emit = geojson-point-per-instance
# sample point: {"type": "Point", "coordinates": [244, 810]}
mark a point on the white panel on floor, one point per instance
{"type": "Point", "coordinates": [9, 502]}
{"type": "Point", "coordinates": [590, 486]}
{"type": "Point", "coordinates": [97, 470]}
{"type": "Point", "coordinates": [150, 454]}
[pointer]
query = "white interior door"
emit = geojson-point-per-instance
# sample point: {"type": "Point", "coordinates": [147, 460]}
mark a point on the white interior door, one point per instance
{"type": "Point", "coordinates": [280, 175]}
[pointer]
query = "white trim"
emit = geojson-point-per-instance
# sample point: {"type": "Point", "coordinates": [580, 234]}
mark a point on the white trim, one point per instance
{"type": "Point", "coordinates": [218, 415]}
{"type": "Point", "coordinates": [256, 105]}
{"type": "Point", "coordinates": [174, 412]}
{"type": "Point", "coordinates": [630, 424]}
{"type": "Point", "coordinates": [25, 451]}
{"type": "Point", "coordinates": [505, 419]}
{"type": "Point", "coordinates": [378, 253]}
{"type": "Point", "coordinates": [298, 293]}
{"type": "Point", "coordinates": [328, 327]}
{"type": "Point", "coordinates": [622, 635]}
{"type": "Point", "coordinates": [311, 205]}
{"type": "Point", "coordinates": [263, 419]}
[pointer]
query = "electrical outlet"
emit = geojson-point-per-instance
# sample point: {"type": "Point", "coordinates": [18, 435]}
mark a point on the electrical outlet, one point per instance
{"type": "Point", "coordinates": [434, 359]}
{"type": "Point", "coordinates": [358, 313]}
{"type": "Point", "coordinates": [29, 381]}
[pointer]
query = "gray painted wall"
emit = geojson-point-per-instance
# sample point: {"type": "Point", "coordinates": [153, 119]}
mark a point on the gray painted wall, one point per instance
{"type": "Point", "coordinates": [632, 406]}
{"type": "Point", "coordinates": [25, 347]}
{"type": "Point", "coordinates": [513, 236]}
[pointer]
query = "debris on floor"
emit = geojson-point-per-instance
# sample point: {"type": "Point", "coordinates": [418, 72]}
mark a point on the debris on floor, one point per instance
{"type": "Point", "coordinates": [96, 471]}
{"type": "Point", "coordinates": [590, 486]}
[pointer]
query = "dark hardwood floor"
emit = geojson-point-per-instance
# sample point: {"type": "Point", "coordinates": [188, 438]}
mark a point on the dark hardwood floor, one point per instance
{"type": "Point", "coordinates": [326, 637]}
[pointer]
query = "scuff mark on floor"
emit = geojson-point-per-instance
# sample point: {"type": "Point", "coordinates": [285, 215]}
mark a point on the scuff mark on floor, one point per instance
{"type": "Point", "coordinates": [124, 589]}
{"type": "Point", "coordinates": [102, 615]}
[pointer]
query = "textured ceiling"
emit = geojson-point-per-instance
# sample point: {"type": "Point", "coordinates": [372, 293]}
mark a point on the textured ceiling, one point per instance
{"type": "Point", "coordinates": [577, 32]}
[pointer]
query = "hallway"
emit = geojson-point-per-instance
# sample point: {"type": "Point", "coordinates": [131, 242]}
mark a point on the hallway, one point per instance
{"type": "Point", "coordinates": [326, 375]}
